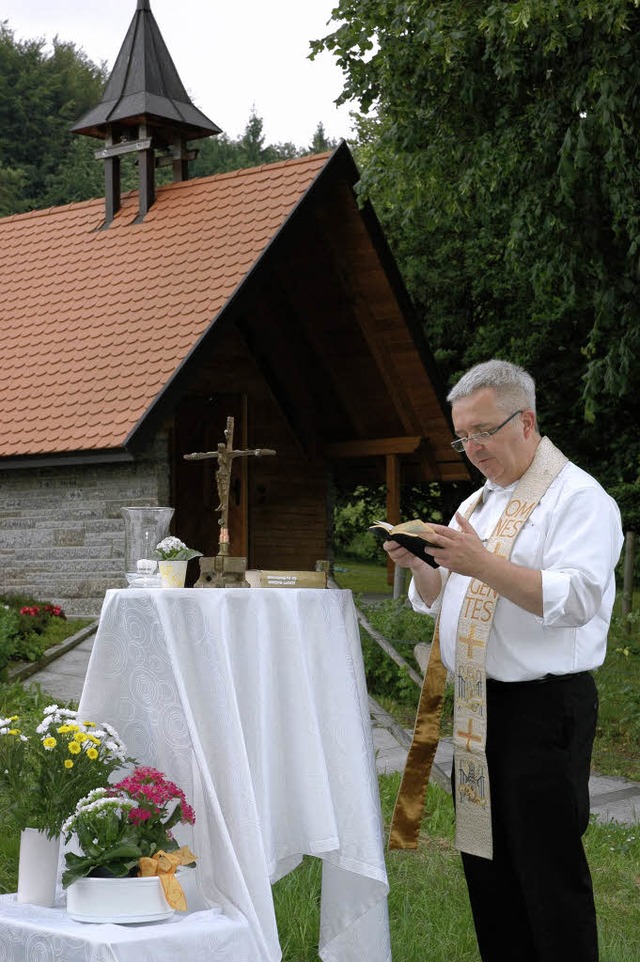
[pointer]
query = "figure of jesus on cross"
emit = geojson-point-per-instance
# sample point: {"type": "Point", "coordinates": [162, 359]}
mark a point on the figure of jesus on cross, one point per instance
{"type": "Point", "coordinates": [226, 455]}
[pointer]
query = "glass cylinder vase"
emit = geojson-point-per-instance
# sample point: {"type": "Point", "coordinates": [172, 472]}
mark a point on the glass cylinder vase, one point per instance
{"type": "Point", "coordinates": [144, 528]}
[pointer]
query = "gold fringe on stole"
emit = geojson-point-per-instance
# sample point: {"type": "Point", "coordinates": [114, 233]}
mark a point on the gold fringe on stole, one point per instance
{"type": "Point", "coordinates": [409, 807]}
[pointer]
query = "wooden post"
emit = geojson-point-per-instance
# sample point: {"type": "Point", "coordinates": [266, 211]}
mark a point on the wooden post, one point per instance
{"type": "Point", "coordinates": [111, 189]}
{"type": "Point", "coordinates": [629, 558]}
{"type": "Point", "coordinates": [393, 504]}
{"type": "Point", "coordinates": [147, 192]}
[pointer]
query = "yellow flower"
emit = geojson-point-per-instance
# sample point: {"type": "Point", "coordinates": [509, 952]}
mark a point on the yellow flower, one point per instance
{"type": "Point", "coordinates": [49, 742]}
{"type": "Point", "coordinates": [92, 753]}
{"type": "Point", "coordinates": [75, 747]}
{"type": "Point", "coordinates": [81, 737]}
{"type": "Point", "coordinates": [88, 724]}
{"type": "Point", "coordinates": [14, 718]}
{"type": "Point", "coordinates": [14, 731]}
{"type": "Point", "coordinates": [68, 763]}
{"type": "Point", "coordinates": [92, 738]}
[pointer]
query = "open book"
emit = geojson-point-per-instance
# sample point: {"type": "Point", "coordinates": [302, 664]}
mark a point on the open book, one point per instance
{"type": "Point", "coordinates": [413, 535]}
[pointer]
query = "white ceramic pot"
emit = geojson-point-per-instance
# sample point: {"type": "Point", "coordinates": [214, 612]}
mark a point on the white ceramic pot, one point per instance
{"type": "Point", "coordinates": [38, 867]}
{"type": "Point", "coordinates": [119, 900]}
{"type": "Point", "coordinates": [172, 573]}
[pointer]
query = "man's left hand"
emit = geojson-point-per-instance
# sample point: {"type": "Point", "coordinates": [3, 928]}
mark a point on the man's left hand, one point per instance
{"type": "Point", "coordinates": [460, 551]}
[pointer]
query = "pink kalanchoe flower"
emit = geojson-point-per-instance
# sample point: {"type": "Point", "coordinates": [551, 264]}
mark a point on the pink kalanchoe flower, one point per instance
{"type": "Point", "coordinates": [155, 793]}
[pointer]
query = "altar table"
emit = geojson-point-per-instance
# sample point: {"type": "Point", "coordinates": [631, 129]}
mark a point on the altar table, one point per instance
{"type": "Point", "coordinates": [254, 702]}
{"type": "Point", "coordinates": [31, 933]}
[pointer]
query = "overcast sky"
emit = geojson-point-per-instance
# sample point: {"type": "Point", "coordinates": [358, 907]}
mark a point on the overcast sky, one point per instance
{"type": "Point", "coordinates": [231, 55]}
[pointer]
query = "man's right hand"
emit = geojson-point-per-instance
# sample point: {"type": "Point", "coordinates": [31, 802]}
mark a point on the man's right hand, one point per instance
{"type": "Point", "coordinates": [427, 580]}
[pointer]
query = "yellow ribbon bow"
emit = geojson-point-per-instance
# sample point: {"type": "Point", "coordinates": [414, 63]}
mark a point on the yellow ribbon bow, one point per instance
{"type": "Point", "coordinates": [164, 865]}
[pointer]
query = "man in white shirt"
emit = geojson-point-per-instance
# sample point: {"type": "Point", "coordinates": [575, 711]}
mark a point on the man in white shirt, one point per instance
{"type": "Point", "coordinates": [551, 596]}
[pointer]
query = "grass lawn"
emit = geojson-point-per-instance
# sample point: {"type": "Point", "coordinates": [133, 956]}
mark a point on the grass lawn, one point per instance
{"type": "Point", "coordinates": [362, 577]}
{"type": "Point", "coordinates": [429, 913]}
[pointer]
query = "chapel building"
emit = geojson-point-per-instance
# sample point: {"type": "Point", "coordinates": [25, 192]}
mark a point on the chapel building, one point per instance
{"type": "Point", "coordinates": [134, 325]}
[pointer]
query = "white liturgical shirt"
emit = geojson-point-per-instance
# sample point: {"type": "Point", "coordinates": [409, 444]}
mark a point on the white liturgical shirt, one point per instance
{"type": "Point", "coordinates": [574, 536]}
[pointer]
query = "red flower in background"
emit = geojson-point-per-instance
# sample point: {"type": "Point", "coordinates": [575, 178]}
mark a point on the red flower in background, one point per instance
{"type": "Point", "coordinates": [54, 610]}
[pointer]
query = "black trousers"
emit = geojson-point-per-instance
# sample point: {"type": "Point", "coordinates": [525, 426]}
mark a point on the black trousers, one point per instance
{"type": "Point", "coordinates": [534, 901]}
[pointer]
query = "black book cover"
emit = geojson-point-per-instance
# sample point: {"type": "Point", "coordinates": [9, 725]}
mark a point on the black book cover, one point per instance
{"type": "Point", "coordinates": [411, 542]}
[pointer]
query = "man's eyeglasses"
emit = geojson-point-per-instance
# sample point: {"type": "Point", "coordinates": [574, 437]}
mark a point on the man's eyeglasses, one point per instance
{"type": "Point", "coordinates": [460, 443]}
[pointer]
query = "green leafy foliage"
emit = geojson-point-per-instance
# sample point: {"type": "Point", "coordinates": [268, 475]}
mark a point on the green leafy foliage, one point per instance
{"type": "Point", "coordinates": [354, 512]}
{"type": "Point", "coordinates": [9, 634]}
{"type": "Point", "coordinates": [617, 745]}
{"type": "Point", "coordinates": [404, 628]}
{"type": "Point", "coordinates": [29, 627]}
{"type": "Point", "coordinates": [500, 144]}
{"type": "Point", "coordinates": [41, 95]}
{"type": "Point", "coordinates": [356, 509]}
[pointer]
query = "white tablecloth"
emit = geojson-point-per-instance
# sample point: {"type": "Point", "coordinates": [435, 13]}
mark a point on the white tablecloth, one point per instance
{"type": "Point", "coordinates": [30, 933]}
{"type": "Point", "coordinates": [254, 702]}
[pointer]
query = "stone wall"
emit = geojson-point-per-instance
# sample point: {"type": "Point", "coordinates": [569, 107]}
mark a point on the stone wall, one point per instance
{"type": "Point", "coordinates": [61, 530]}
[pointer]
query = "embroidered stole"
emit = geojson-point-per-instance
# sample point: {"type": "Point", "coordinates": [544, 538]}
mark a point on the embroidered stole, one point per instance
{"type": "Point", "coordinates": [473, 797]}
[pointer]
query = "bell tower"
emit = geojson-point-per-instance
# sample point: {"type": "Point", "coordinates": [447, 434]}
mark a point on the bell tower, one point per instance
{"type": "Point", "coordinates": [146, 110]}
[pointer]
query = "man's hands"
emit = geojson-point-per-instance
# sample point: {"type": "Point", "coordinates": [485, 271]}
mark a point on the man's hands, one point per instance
{"type": "Point", "coordinates": [426, 579]}
{"type": "Point", "coordinates": [460, 551]}
{"type": "Point", "coordinates": [463, 552]}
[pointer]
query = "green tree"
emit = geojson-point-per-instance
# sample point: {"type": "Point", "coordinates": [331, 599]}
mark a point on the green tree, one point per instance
{"type": "Point", "coordinates": [500, 144]}
{"type": "Point", "coordinates": [216, 155]}
{"type": "Point", "coordinates": [76, 177]}
{"type": "Point", "coordinates": [41, 95]}
{"type": "Point", "coordinates": [219, 154]}
{"type": "Point", "coordinates": [320, 142]}
{"type": "Point", "coordinates": [12, 186]}
{"type": "Point", "coordinates": [252, 148]}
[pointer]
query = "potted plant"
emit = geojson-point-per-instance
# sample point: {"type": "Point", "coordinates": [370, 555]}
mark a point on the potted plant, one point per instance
{"type": "Point", "coordinates": [45, 768]}
{"type": "Point", "coordinates": [124, 835]}
{"type": "Point", "coordinates": [173, 556]}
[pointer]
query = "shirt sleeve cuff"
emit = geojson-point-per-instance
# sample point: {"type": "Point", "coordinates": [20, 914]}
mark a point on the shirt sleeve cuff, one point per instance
{"type": "Point", "coordinates": [555, 592]}
{"type": "Point", "coordinates": [419, 604]}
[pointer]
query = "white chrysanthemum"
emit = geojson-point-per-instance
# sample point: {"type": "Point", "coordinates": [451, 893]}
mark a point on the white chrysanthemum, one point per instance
{"type": "Point", "coordinates": [170, 544]}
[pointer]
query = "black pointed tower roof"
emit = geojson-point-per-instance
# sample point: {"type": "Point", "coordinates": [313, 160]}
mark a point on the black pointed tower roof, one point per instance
{"type": "Point", "coordinates": [144, 87]}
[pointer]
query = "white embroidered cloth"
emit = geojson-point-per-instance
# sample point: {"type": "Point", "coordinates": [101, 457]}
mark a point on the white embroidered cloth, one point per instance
{"type": "Point", "coordinates": [254, 702]}
{"type": "Point", "coordinates": [31, 933]}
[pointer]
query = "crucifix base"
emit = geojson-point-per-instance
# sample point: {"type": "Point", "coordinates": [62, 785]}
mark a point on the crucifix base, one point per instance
{"type": "Point", "coordinates": [222, 571]}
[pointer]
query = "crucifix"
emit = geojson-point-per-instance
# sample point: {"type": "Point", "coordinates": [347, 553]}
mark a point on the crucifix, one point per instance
{"type": "Point", "coordinates": [225, 454]}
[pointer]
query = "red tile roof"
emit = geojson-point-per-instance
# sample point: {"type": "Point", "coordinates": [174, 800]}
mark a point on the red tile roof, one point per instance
{"type": "Point", "coordinates": [94, 323]}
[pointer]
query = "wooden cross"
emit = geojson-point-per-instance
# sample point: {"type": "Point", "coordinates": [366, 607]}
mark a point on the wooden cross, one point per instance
{"type": "Point", "coordinates": [469, 734]}
{"type": "Point", "coordinates": [470, 640]}
{"type": "Point", "coordinates": [226, 455]}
